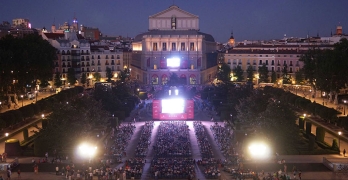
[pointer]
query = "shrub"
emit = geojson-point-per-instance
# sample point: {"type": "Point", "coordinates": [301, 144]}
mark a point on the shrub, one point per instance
{"type": "Point", "coordinates": [334, 145]}
{"type": "Point", "coordinates": [308, 128]}
{"type": "Point", "coordinates": [25, 134]}
{"type": "Point", "coordinates": [301, 123]}
{"type": "Point", "coordinates": [320, 132]}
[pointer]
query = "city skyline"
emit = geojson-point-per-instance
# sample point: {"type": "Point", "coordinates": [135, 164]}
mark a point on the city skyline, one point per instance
{"type": "Point", "coordinates": [249, 20]}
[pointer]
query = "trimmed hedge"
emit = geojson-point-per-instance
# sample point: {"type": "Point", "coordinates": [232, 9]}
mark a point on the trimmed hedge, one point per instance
{"type": "Point", "coordinates": [308, 128]}
{"type": "Point", "coordinates": [320, 132]}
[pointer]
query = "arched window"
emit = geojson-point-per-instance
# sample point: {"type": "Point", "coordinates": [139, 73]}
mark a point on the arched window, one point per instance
{"type": "Point", "coordinates": [164, 79]}
{"type": "Point", "coordinates": [154, 79]}
{"type": "Point", "coordinates": [192, 79]}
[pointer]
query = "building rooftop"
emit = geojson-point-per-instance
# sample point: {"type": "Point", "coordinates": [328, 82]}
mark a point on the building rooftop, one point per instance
{"type": "Point", "coordinates": [208, 37]}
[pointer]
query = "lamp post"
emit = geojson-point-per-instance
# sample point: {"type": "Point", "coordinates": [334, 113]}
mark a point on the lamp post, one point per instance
{"type": "Point", "coordinates": [323, 97]}
{"type": "Point", "coordinates": [35, 96]}
{"type": "Point", "coordinates": [344, 108]}
{"type": "Point", "coordinates": [231, 118]}
{"type": "Point", "coordinates": [339, 141]}
{"type": "Point", "coordinates": [22, 100]}
{"type": "Point", "coordinates": [310, 94]}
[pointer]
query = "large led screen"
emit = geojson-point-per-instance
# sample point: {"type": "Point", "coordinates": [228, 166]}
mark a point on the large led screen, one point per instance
{"type": "Point", "coordinates": [173, 106]}
{"type": "Point", "coordinates": [173, 62]}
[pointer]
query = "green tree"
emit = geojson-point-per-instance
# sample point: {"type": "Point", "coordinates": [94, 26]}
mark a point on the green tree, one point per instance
{"type": "Point", "coordinates": [28, 60]}
{"type": "Point", "coordinates": [109, 74]}
{"type": "Point", "coordinates": [224, 72]}
{"type": "Point", "coordinates": [124, 74]}
{"type": "Point", "coordinates": [57, 81]}
{"type": "Point", "coordinates": [299, 77]}
{"type": "Point", "coordinates": [71, 76]}
{"type": "Point", "coordinates": [97, 76]}
{"type": "Point", "coordinates": [250, 73]}
{"type": "Point", "coordinates": [173, 80]}
{"type": "Point", "coordinates": [238, 72]}
{"type": "Point", "coordinates": [285, 75]}
{"type": "Point", "coordinates": [77, 120]}
{"type": "Point", "coordinates": [274, 77]}
{"type": "Point", "coordinates": [83, 79]}
{"type": "Point", "coordinates": [263, 73]}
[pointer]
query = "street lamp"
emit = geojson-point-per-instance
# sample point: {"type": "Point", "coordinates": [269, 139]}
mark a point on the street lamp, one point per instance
{"type": "Point", "coordinates": [42, 116]}
{"type": "Point", "coordinates": [323, 97]}
{"type": "Point", "coordinates": [339, 141]}
{"type": "Point", "coordinates": [22, 100]}
{"type": "Point", "coordinates": [344, 108]}
{"type": "Point", "coordinates": [36, 96]}
{"type": "Point", "coordinates": [6, 134]}
{"type": "Point", "coordinates": [310, 94]}
{"type": "Point", "coordinates": [231, 118]}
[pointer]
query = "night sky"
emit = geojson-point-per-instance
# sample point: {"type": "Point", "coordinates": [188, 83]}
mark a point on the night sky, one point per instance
{"type": "Point", "coordinates": [249, 19]}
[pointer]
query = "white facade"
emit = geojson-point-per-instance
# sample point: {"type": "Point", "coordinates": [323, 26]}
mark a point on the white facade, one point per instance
{"type": "Point", "coordinates": [173, 33]}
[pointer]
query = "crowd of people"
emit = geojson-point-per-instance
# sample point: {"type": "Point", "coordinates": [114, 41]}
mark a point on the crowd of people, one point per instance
{"type": "Point", "coordinates": [144, 142]}
{"type": "Point", "coordinates": [173, 140]}
{"type": "Point", "coordinates": [222, 136]}
{"type": "Point", "coordinates": [173, 152]}
{"type": "Point", "coordinates": [202, 139]}
{"type": "Point", "coordinates": [172, 168]}
{"type": "Point", "coordinates": [117, 143]}
{"type": "Point", "coordinates": [134, 167]}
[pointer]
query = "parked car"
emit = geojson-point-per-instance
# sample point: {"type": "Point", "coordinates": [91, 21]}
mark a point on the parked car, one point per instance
{"type": "Point", "coordinates": [30, 95]}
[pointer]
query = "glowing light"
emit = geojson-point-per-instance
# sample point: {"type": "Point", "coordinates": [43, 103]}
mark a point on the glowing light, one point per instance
{"type": "Point", "coordinates": [173, 62]}
{"type": "Point", "coordinates": [173, 106]}
{"type": "Point", "coordinates": [259, 150]}
{"type": "Point", "coordinates": [87, 150]}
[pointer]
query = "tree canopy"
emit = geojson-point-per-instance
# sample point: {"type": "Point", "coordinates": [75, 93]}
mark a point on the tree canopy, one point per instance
{"type": "Point", "coordinates": [27, 60]}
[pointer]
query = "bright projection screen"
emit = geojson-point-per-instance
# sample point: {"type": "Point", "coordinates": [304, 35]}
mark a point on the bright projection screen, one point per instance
{"type": "Point", "coordinates": [173, 106]}
{"type": "Point", "coordinates": [173, 62]}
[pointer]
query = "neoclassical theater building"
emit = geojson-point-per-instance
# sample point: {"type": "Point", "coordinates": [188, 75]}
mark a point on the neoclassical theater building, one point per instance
{"type": "Point", "coordinates": [174, 44]}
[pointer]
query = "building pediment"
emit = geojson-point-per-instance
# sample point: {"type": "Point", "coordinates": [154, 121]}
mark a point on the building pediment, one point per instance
{"type": "Point", "coordinates": [173, 10]}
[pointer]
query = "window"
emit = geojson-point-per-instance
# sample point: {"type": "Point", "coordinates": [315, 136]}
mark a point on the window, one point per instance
{"type": "Point", "coordinates": [272, 62]}
{"type": "Point", "coordinates": [272, 69]}
{"type": "Point", "coordinates": [192, 46]}
{"type": "Point", "coordinates": [118, 57]}
{"type": "Point", "coordinates": [118, 62]}
{"type": "Point", "coordinates": [164, 46]}
{"type": "Point", "coordinates": [229, 61]}
{"type": "Point", "coordinates": [248, 62]}
{"type": "Point", "coordinates": [260, 62]}
{"type": "Point", "coordinates": [173, 22]}
{"type": "Point", "coordinates": [112, 57]}
{"type": "Point", "coordinates": [182, 46]}
{"type": "Point", "coordinates": [266, 62]}
{"type": "Point", "coordinates": [173, 47]}
{"type": "Point", "coordinates": [234, 61]}
{"type": "Point", "coordinates": [154, 46]}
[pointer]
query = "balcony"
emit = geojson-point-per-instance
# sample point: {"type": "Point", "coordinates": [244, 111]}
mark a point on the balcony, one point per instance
{"type": "Point", "coordinates": [106, 64]}
{"type": "Point", "coordinates": [87, 65]}
{"type": "Point", "coordinates": [290, 64]}
{"type": "Point", "coordinates": [254, 63]}
{"type": "Point", "coordinates": [69, 65]}
{"type": "Point", "coordinates": [93, 64]}
{"type": "Point", "coordinates": [112, 63]}
{"type": "Point", "coordinates": [87, 58]}
{"type": "Point", "coordinates": [63, 65]}
{"type": "Point", "coordinates": [98, 64]}
{"type": "Point", "coordinates": [82, 59]}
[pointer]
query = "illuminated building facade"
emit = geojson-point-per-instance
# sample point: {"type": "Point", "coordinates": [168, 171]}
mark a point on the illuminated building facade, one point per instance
{"type": "Point", "coordinates": [174, 44]}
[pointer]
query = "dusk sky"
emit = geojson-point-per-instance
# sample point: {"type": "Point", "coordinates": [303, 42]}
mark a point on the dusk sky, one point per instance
{"type": "Point", "coordinates": [249, 19]}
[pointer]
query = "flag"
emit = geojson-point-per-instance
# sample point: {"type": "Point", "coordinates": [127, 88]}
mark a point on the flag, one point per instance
{"type": "Point", "coordinates": [148, 62]}
{"type": "Point", "coordinates": [199, 62]}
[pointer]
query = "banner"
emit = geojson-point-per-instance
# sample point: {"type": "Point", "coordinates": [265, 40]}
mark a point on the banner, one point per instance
{"type": "Point", "coordinates": [179, 116]}
{"type": "Point", "coordinates": [190, 109]}
{"type": "Point", "coordinates": [156, 109]}
{"type": "Point", "coordinates": [199, 62]}
{"type": "Point", "coordinates": [148, 62]}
